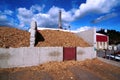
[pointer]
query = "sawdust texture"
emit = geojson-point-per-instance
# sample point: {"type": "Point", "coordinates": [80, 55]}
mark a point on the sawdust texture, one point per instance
{"type": "Point", "coordinates": [67, 70]}
{"type": "Point", "coordinates": [61, 38]}
{"type": "Point", "coordinates": [12, 37]}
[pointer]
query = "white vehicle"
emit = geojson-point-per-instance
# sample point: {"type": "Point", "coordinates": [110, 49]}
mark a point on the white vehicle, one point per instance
{"type": "Point", "coordinates": [113, 57]}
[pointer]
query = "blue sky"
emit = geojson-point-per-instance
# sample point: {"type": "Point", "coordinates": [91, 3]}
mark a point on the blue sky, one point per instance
{"type": "Point", "coordinates": [79, 14]}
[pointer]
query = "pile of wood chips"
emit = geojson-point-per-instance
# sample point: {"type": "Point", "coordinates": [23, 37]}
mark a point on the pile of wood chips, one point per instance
{"type": "Point", "coordinates": [67, 70]}
{"type": "Point", "coordinates": [12, 37]}
{"type": "Point", "coordinates": [61, 38]}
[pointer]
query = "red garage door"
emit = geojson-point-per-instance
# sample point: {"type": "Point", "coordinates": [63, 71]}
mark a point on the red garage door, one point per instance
{"type": "Point", "coordinates": [69, 53]}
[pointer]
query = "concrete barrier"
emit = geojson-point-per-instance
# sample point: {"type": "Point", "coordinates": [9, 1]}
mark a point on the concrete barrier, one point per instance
{"type": "Point", "coordinates": [4, 57]}
{"type": "Point", "coordinates": [32, 56]}
{"type": "Point", "coordinates": [47, 54]}
{"type": "Point", "coordinates": [29, 56]}
{"type": "Point", "coordinates": [85, 53]}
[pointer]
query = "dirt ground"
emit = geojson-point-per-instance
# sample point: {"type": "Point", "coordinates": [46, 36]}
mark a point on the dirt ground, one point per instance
{"type": "Point", "coordinates": [67, 70]}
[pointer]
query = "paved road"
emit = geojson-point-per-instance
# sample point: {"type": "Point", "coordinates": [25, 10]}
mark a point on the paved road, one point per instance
{"type": "Point", "coordinates": [110, 61]}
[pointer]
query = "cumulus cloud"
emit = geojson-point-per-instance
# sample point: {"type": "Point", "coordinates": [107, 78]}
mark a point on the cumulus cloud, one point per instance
{"type": "Point", "coordinates": [105, 17]}
{"type": "Point", "coordinates": [95, 6]}
{"type": "Point", "coordinates": [50, 18]}
{"type": "Point", "coordinates": [23, 12]}
{"type": "Point", "coordinates": [24, 16]}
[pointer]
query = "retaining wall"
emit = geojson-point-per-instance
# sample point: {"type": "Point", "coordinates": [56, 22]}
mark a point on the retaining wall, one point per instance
{"type": "Point", "coordinates": [85, 53]}
{"type": "Point", "coordinates": [31, 56]}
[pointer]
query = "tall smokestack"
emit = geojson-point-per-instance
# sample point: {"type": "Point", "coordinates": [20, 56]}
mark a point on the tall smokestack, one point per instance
{"type": "Point", "coordinates": [60, 20]}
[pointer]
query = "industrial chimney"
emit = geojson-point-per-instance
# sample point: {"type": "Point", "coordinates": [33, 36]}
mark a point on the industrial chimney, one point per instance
{"type": "Point", "coordinates": [60, 20]}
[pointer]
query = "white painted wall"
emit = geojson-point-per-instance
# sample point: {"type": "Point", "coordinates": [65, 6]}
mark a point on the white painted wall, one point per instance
{"type": "Point", "coordinates": [85, 53]}
{"type": "Point", "coordinates": [89, 36]}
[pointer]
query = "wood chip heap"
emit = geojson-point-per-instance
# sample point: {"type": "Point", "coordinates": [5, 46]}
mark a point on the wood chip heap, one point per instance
{"type": "Point", "coordinates": [12, 37]}
{"type": "Point", "coordinates": [61, 38]}
{"type": "Point", "coordinates": [67, 70]}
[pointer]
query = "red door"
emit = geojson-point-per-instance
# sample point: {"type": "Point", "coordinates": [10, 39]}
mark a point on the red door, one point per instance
{"type": "Point", "coordinates": [69, 53]}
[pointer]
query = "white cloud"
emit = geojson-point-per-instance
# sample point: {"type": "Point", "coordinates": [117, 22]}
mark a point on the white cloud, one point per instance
{"type": "Point", "coordinates": [23, 12]}
{"type": "Point", "coordinates": [37, 8]}
{"type": "Point", "coordinates": [96, 6]}
{"type": "Point", "coordinates": [25, 16]}
{"type": "Point", "coordinates": [8, 12]}
{"type": "Point", "coordinates": [3, 17]}
{"type": "Point", "coordinates": [66, 16]}
{"type": "Point", "coordinates": [105, 17]}
{"type": "Point", "coordinates": [87, 28]}
{"type": "Point", "coordinates": [50, 18]}
{"type": "Point", "coordinates": [83, 28]}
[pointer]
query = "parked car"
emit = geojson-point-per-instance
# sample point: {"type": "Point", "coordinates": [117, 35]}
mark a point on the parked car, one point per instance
{"type": "Point", "coordinates": [113, 57]}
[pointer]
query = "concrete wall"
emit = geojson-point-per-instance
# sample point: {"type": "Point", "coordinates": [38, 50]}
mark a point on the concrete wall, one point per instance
{"type": "Point", "coordinates": [89, 36]}
{"type": "Point", "coordinates": [50, 54]}
{"type": "Point", "coordinates": [31, 56]}
{"type": "Point", "coordinates": [4, 57]}
{"type": "Point", "coordinates": [85, 53]}
{"type": "Point", "coordinates": [21, 57]}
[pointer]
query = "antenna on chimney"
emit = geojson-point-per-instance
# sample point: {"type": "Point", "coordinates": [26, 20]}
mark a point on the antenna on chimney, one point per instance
{"type": "Point", "coordinates": [60, 20]}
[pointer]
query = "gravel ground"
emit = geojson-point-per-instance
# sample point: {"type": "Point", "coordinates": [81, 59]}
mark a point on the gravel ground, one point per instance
{"type": "Point", "coordinates": [67, 70]}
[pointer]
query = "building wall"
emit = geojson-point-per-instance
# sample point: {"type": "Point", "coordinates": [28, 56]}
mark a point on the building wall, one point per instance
{"type": "Point", "coordinates": [102, 41]}
{"type": "Point", "coordinates": [89, 36]}
{"type": "Point", "coordinates": [102, 45]}
{"type": "Point", "coordinates": [32, 56]}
